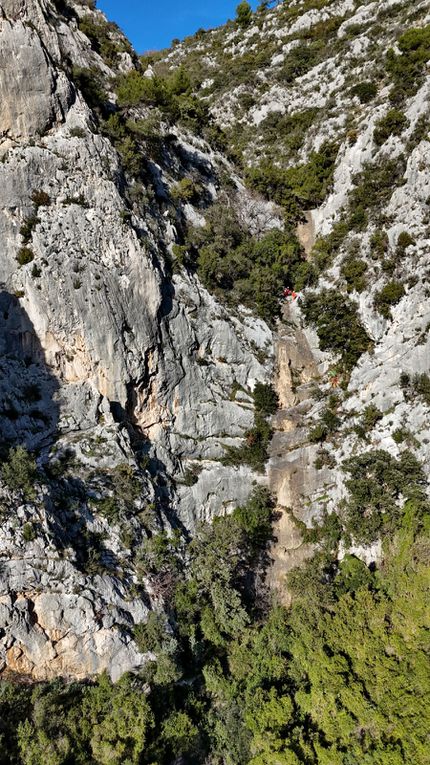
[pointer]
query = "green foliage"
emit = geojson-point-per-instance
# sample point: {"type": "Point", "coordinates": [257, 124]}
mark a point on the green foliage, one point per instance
{"type": "Point", "coordinates": [369, 419]}
{"type": "Point", "coordinates": [241, 268]}
{"type": "Point", "coordinates": [404, 240]}
{"type": "Point", "coordinates": [134, 88]}
{"type": "Point", "coordinates": [373, 187]}
{"type": "Point", "coordinates": [29, 532]}
{"type": "Point", "coordinates": [353, 270]}
{"type": "Point", "coordinates": [388, 296]}
{"type": "Point", "coordinates": [421, 386]}
{"type": "Point", "coordinates": [394, 123]}
{"type": "Point", "coordinates": [407, 69]}
{"type": "Point", "coordinates": [297, 188]}
{"type": "Point", "coordinates": [186, 190]}
{"type": "Point", "coordinates": [343, 671]}
{"type": "Point", "coordinates": [117, 721]}
{"type": "Point", "coordinates": [254, 450]}
{"type": "Point", "coordinates": [337, 324]}
{"type": "Point", "coordinates": [365, 91]}
{"type": "Point", "coordinates": [124, 489]}
{"type": "Point", "coordinates": [99, 33]}
{"type": "Point", "coordinates": [24, 256]}
{"type": "Point", "coordinates": [328, 424]}
{"type": "Point", "coordinates": [27, 227]}
{"type": "Point", "coordinates": [255, 518]}
{"type": "Point", "coordinates": [377, 480]}
{"type": "Point", "coordinates": [266, 400]}
{"type": "Point", "coordinates": [150, 635]}
{"type": "Point", "coordinates": [19, 471]}
{"type": "Point", "coordinates": [243, 14]}
{"type": "Point", "coordinates": [89, 82]}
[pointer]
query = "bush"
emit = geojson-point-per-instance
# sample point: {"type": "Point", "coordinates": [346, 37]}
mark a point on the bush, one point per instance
{"type": "Point", "coordinates": [421, 386]}
{"type": "Point", "coordinates": [298, 188]}
{"type": "Point", "coordinates": [353, 270]}
{"type": "Point", "coordinates": [98, 32]}
{"type": "Point", "coordinates": [337, 324]}
{"type": "Point", "coordinates": [394, 123]}
{"type": "Point", "coordinates": [244, 269]}
{"type": "Point", "coordinates": [150, 636]}
{"type": "Point", "coordinates": [404, 240]}
{"type": "Point", "coordinates": [89, 83]}
{"type": "Point", "coordinates": [27, 227]}
{"type": "Point", "coordinates": [24, 256]}
{"type": "Point", "coordinates": [266, 400]}
{"type": "Point", "coordinates": [387, 297]}
{"type": "Point", "coordinates": [41, 198]}
{"type": "Point", "coordinates": [254, 451]}
{"type": "Point", "coordinates": [365, 91]}
{"type": "Point", "coordinates": [377, 480]}
{"type": "Point", "coordinates": [371, 416]}
{"type": "Point", "coordinates": [243, 14]}
{"type": "Point", "coordinates": [374, 186]}
{"type": "Point", "coordinates": [408, 68]}
{"type": "Point", "coordinates": [186, 190]}
{"type": "Point", "coordinates": [19, 472]}
{"type": "Point", "coordinates": [134, 88]}
{"type": "Point", "coordinates": [255, 518]}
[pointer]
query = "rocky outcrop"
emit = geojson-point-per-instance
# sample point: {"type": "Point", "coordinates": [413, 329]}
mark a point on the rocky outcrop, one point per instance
{"type": "Point", "coordinates": [101, 350]}
{"type": "Point", "coordinates": [120, 370]}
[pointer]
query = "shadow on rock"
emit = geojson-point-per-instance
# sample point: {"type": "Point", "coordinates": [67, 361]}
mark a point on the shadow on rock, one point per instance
{"type": "Point", "coordinates": [28, 410]}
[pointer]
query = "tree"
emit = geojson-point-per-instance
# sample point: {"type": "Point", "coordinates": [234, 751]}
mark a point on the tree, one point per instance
{"type": "Point", "coordinates": [243, 14]}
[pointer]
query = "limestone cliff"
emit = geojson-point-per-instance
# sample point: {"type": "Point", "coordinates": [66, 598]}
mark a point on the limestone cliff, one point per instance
{"type": "Point", "coordinates": [121, 371]}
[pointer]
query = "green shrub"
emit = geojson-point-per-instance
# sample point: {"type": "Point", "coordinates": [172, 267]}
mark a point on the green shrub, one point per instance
{"type": "Point", "coordinates": [297, 188]}
{"type": "Point", "coordinates": [255, 517]}
{"type": "Point", "coordinates": [387, 297]}
{"type": "Point", "coordinates": [369, 419]}
{"type": "Point", "coordinates": [374, 186]}
{"type": "Point", "coordinates": [244, 269]}
{"type": "Point", "coordinates": [404, 240]}
{"type": "Point", "coordinates": [421, 386]}
{"type": "Point", "coordinates": [150, 636]}
{"type": "Point", "coordinates": [29, 532]}
{"type": "Point", "coordinates": [266, 400]}
{"type": "Point", "coordinates": [98, 32]}
{"type": "Point", "coordinates": [408, 69]}
{"type": "Point", "coordinates": [77, 132]}
{"type": "Point", "coordinates": [394, 123]}
{"type": "Point", "coordinates": [88, 81]}
{"type": "Point", "coordinates": [365, 91]}
{"type": "Point", "coordinates": [24, 256]}
{"type": "Point", "coordinates": [337, 324]}
{"type": "Point", "coordinates": [134, 88]}
{"type": "Point", "coordinates": [254, 451]}
{"type": "Point", "coordinates": [19, 472]}
{"type": "Point", "coordinates": [27, 227]}
{"type": "Point", "coordinates": [186, 190]}
{"type": "Point", "coordinates": [243, 14]}
{"type": "Point", "coordinates": [353, 270]}
{"type": "Point", "coordinates": [377, 481]}
{"type": "Point", "coordinates": [378, 244]}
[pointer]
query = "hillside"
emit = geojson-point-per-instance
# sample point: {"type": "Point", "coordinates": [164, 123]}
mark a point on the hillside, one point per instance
{"type": "Point", "coordinates": [215, 388]}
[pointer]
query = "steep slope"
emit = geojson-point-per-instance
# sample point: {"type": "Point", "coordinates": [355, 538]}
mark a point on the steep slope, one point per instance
{"type": "Point", "coordinates": [126, 379]}
{"type": "Point", "coordinates": [151, 209]}
{"type": "Point", "coordinates": [326, 107]}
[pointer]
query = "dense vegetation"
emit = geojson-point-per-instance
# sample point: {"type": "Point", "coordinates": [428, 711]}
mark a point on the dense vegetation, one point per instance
{"type": "Point", "coordinates": [342, 677]}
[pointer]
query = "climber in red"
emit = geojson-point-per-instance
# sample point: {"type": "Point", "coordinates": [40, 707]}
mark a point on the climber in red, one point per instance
{"type": "Point", "coordinates": [289, 293]}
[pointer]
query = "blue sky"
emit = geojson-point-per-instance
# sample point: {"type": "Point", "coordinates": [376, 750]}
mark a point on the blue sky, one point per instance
{"type": "Point", "coordinates": [153, 25]}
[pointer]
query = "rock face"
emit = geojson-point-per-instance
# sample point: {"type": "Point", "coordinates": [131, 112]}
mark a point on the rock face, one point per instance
{"type": "Point", "coordinates": [127, 378]}
{"type": "Point", "coordinates": [99, 348]}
